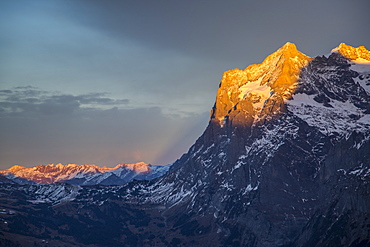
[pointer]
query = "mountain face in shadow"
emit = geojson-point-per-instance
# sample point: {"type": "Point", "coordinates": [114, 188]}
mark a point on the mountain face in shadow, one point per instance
{"type": "Point", "coordinates": [284, 161]}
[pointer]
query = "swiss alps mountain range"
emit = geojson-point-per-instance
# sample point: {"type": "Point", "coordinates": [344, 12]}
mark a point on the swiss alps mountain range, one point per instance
{"type": "Point", "coordinates": [83, 174]}
{"type": "Point", "coordinates": [284, 161]}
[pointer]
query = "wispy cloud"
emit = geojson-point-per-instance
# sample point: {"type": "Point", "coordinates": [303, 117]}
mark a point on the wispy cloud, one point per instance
{"type": "Point", "coordinates": [31, 101]}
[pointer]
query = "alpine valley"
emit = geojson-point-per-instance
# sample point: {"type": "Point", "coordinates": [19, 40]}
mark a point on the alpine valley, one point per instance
{"type": "Point", "coordinates": [284, 161]}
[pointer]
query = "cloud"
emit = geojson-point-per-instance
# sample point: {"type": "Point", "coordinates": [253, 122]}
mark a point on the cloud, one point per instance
{"type": "Point", "coordinates": [41, 127]}
{"type": "Point", "coordinates": [32, 102]}
{"type": "Point", "coordinates": [226, 30]}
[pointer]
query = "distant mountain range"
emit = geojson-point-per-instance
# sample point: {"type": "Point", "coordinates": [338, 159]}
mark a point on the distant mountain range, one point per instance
{"type": "Point", "coordinates": [284, 161]}
{"type": "Point", "coordinates": [83, 174]}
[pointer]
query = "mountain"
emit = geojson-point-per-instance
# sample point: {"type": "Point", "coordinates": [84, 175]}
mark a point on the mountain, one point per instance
{"type": "Point", "coordinates": [287, 139]}
{"type": "Point", "coordinates": [83, 174]}
{"type": "Point", "coordinates": [284, 161]}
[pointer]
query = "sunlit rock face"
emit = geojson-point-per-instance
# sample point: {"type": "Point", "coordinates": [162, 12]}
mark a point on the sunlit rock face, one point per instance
{"type": "Point", "coordinates": [359, 54]}
{"type": "Point", "coordinates": [260, 89]}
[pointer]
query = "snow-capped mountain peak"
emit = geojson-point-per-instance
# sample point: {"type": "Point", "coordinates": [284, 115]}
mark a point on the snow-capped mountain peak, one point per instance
{"type": "Point", "coordinates": [244, 93]}
{"type": "Point", "coordinates": [248, 96]}
{"type": "Point", "coordinates": [359, 54]}
{"type": "Point", "coordinates": [84, 174]}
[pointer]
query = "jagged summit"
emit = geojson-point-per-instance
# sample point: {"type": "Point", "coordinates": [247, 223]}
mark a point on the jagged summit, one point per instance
{"type": "Point", "coordinates": [359, 54]}
{"type": "Point", "coordinates": [261, 90]}
{"type": "Point", "coordinates": [247, 90]}
{"type": "Point", "coordinates": [289, 50]}
{"type": "Point", "coordinates": [15, 168]}
{"type": "Point", "coordinates": [289, 45]}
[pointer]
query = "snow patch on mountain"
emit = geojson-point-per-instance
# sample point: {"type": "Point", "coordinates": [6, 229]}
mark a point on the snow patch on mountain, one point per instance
{"type": "Point", "coordinates": [257, 92]}
{"type": "Point", "coordinates": [363, 78]}
{"type": "Point", "coordinates": [55, 193]}
{"type": "Point", "coordinates": [335, 116]}
{"type": "Point", "coordinates": [341, 118]}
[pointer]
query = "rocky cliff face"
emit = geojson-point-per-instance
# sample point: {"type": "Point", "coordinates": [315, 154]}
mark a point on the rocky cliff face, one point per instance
{"type": "Point", "coordinates": [284, 161]}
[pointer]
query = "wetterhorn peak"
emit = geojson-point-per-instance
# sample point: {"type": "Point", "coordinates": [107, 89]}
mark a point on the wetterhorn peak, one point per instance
{"type": "Point", "coordinates": [248, 90]}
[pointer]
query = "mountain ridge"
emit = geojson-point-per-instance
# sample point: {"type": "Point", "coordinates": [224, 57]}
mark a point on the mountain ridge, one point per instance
{"type": "Point", "coordinates": [83, 174]}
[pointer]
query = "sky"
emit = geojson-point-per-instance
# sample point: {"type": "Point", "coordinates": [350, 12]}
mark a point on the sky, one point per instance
{"type": "Point", "coordinates": [109, 82]}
